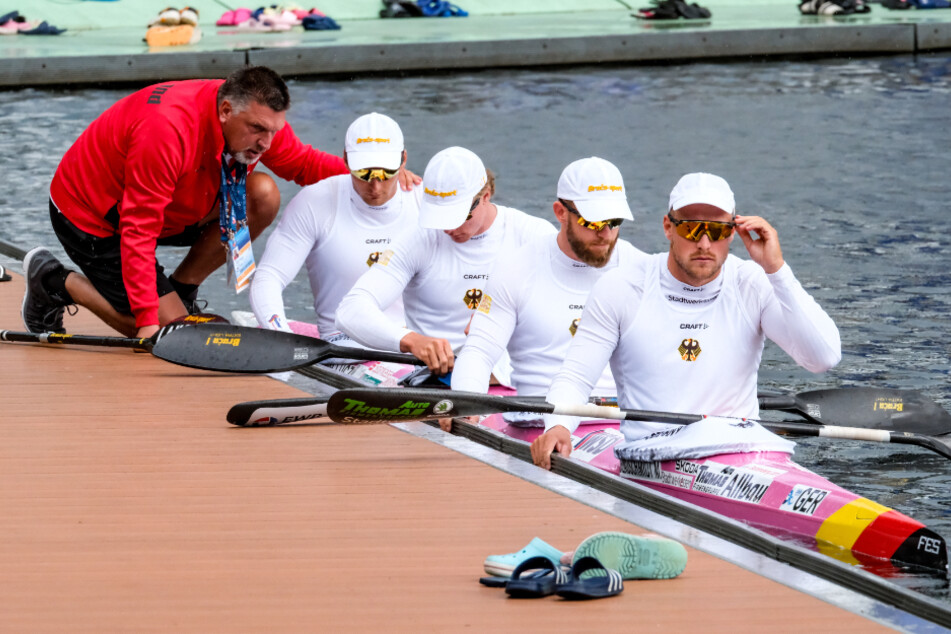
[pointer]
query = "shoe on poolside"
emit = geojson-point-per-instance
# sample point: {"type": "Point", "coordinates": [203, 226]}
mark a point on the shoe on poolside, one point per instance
{"type": "Point", "coordinates": [188, 15]}
{"type": "Point", "coordinates": [42, 311]}
{"type": "Point", "coordinates": [635, 556]}
{"type": "Point", "coordinates": [169, 16]}
{"type": "Point", "coordinates": [503, 565]}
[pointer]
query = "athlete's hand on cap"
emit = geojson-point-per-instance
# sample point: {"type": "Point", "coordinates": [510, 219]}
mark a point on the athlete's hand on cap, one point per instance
{"type": "Point", "coordinates": [435, 353]}
{"type": "Point", "coordinates": [558, 439]}
{"type": "Point", "coordinates": [765, 251]}
{"type": "Point", "coordinates": [408, 179]}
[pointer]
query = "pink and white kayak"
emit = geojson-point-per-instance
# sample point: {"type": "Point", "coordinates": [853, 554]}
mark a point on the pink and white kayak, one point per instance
{"type": "Point", "coordinates": [766, 490]}
{"type": "Point", "coordinates": [769, 491]}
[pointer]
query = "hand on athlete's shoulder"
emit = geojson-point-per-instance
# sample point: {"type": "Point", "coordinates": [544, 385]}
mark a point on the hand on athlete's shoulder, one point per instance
{"type": "Point", "coordinates": [408, 179]}
{"type": "Point", "coordinates": [764, 249]}
{"type": "Point", "coordinates": [558, 439]}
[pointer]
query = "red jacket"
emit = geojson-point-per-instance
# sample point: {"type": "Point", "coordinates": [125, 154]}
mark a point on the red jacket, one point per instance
{"type": "Point", "coordinates": [157, 153]}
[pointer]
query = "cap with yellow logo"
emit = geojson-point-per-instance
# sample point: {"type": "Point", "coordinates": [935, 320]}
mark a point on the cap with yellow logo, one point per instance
{"type": "Point", "coordinates": [452, 179]}
{"type": "Point", "coordinates": [596, 188]}
{"type": "Point", "coordinates": [374, 140]}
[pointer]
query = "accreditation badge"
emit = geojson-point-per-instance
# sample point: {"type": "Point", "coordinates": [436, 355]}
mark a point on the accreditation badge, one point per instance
{"type": "Point", "coordinates": [240, 258]}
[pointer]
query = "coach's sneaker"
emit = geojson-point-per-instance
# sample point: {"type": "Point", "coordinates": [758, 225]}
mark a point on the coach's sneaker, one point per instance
{"type": "Point", "coordinates": [42, 311]}
{"type": "Point", "coordinates": [635, 556]}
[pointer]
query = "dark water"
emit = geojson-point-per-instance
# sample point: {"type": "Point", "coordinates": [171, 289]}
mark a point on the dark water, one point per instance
{"type": "Point", "coordinates": [848, 159]}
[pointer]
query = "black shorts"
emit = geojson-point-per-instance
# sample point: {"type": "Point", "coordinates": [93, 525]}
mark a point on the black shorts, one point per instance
{"type": "Point", "coordinates": [100, 259]}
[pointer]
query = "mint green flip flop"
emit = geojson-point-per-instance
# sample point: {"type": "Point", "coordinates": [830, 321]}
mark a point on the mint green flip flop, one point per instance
{"type": "Point", "coordinates": [503, 565]}
{"type": "Point", "coordinates": [634, 556]}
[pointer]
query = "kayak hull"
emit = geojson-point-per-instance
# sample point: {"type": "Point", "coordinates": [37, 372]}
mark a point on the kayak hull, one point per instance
{"type": "Point", "coordinates": [768, 491]}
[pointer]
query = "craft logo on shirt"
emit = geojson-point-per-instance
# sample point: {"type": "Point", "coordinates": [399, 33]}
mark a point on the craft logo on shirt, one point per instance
{"type": "Point", "coordinates": [689, 349]}
{"type": "Point", "coordinates": [573, 328]}
{"type": "Point", "coordinates": [472, 298]}
{"type": "Point", "coordinates": [486, 304]}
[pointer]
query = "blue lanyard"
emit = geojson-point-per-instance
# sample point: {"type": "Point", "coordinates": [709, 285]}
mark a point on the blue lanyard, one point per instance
{"type": "Point", "coordinates": [234, 199]}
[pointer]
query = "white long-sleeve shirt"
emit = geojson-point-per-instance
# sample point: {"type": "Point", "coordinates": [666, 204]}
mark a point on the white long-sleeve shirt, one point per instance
{"type": "Point", "coordinates": [536, 296]}
{"type": "Point", "coordinates": [697, 350]}
{"type": "Point", "coordinates": [441, 282]}
{"type": "Point", "coordinates": [328, 227]}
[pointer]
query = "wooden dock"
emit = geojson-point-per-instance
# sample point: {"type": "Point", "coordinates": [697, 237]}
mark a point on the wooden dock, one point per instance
{"type": "Point", "coordinates": [128, 503]}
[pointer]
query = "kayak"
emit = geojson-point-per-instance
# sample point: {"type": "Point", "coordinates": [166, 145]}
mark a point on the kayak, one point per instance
{"type": "Point", "coordinates": [768, 491]}
{"type": "Point", "coordinates": [765, 490]}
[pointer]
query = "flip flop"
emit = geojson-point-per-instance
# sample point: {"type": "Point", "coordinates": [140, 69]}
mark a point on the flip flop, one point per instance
{"type": "Point", "coordinates": [601, 582]}
{"type": "Point", "coordinates": [43, 28]}
{"type": "Point", "coordinates": [501, 582]}
{"type": "Point", "coordinates": [538, 585]}
{"type": "Point", "coordinates": [635, 556]}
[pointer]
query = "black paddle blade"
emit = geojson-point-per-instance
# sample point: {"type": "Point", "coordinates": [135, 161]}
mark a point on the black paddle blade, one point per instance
{"type": "Point", "coordinates": [239, 349]}
{"type": "Point", "coordinates": [382, 405]}
{"type": "Point", "coordinates": [870, 408]}
{"type": "Point", "coordinates": [279, 411]}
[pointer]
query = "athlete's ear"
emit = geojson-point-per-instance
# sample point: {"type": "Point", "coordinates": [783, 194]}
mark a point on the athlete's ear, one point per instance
{"type": "Point", "coordinates": [560, 212]}
{"type": "Point", "coordinates": [668, 228]}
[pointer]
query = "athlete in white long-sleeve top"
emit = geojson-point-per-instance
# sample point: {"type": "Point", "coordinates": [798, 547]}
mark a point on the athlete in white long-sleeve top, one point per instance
{"type": "Point", "coordinates": [339, 227]}
{"type": "Point", "coordinates": [534, 313]}
{"type": "Point", "coordinates": [686, 333]}
{"type": "Point", "coordinates": [441, 269]}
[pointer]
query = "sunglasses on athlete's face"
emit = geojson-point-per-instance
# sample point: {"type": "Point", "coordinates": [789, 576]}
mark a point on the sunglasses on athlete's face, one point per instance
{"type": "Point", "coordinates": [694, 230]}
{"type": "Point", "coordinates": [475, 203]}
{"type": "Point", "coordinates": [378, 173]}
{"type": "Point", "coordinates": [600, 225]}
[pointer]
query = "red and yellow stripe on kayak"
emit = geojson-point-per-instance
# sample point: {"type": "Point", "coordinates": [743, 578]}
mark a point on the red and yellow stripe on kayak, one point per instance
{"type": "Point", "coordinates": [872, 532]}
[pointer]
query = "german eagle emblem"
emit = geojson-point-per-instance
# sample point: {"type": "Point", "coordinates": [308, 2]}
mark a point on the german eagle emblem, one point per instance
{"type": "Point", "coordinates": [689, 349]}
{"type": "Point", "coordinates": [473, 297]}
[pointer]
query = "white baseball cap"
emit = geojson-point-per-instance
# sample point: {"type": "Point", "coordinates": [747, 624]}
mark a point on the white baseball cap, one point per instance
{"type": "Point", "coordinates": [700, 188]}
{"type": "Point", "coordinates": [596, 188]}
{"type": "Point", "coordinates": [452, 179]}
{"type": "Point", "coordinates": [374, 140]}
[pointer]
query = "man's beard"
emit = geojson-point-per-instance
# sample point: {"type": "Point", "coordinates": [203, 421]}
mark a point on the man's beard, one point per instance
{"type": "Point", "coordinates": [244, 159]}
{"type": "Point", "coordinates": [587, 255]}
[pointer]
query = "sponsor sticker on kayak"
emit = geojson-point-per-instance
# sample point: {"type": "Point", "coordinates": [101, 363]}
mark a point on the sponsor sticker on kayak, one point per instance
{"type": "Point", "coordinates": [592, 445]}
{"type": "Point", "coordinates": [735, 483]}
{"type": "Point", "coordinates": [803, 499]}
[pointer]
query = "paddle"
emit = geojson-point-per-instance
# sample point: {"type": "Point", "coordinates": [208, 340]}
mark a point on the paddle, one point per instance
{"type": "Point", "coordinates": [279, 411]}
{"type": "Point", "coordinates": [903, 410]}
{"type": "Point", "coordinates": [381, 405]}
{"type": "Point", "coordinates": [867, 407]}
{"type": "Point", "coordinates": [144, 344]}
{"type": "Point", "coordinates": [254, 350]}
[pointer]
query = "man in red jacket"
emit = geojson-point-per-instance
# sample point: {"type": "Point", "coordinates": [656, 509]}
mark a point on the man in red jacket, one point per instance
{"type": "Point", "coordinates": [149, 171]}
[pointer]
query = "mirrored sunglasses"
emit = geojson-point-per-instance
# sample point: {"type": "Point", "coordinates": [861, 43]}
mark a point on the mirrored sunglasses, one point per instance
{"type": "Point", "coordinates": [378, 173]}
{"type": "Point", "coordinates": [694, 230]}
{"type": "Point", "coordinates": [475, 203]}
{"type": "Point", "coordinates": [600, 225]}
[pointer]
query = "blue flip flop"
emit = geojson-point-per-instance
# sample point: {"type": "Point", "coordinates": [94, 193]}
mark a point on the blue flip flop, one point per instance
{"type": "Point", "coordinates": [535, 586]}
{"type": "Point", "coordinates": [501, 582]}
{"type": "Point", "coordinates": [598, 583]}
{"type": "Point", "coordinates": [503, 565]}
